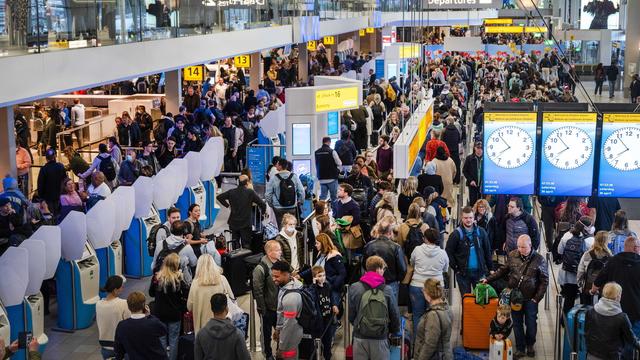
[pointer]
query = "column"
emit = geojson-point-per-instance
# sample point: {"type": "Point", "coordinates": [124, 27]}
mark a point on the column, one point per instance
{"type": "Point", "coordinates": [256, 71]}
{"type": "Point", "coordinates": [632, 51]}
{"type": "Point", "coordinates": [356, 42]}
{"type": "Point", "coordinates": [7, 143]}
{"type": "Point", "coordinates": [303, 63]}
{"type": "Point", "coordinates": [173, 90]}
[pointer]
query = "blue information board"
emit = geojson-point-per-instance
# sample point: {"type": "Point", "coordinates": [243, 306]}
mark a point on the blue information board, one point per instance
{"type": "Point", "coordinates": [509, 157]}
{"type": "Point", "coordinates": [620, 156]}
{"type": "Point", "coordinates": [333, 123]}
{"type": "Point", "coordinates": [567, 158]}
{"type": "Point", "coordinates": [379, 69]}
{"type": "Point", "coordinates": [257, 163]}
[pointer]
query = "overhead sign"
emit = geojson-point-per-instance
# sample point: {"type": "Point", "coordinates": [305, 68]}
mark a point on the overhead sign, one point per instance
{"type": "Point", "coordinates": [329, 40]}
{"type": "Point", "coordinates": [410, 51]}
{"type": "Point", "coordinates": [337, 99]}
{"type": "Point", "coordinates": [242, 61]}
{"type": "Point", "coordinates": [461, 4]}
{"type": "Point", "coordinates": [311, 45]}
{"type": "Point", "coordinates": [509, 157]}
{"type": "Point", "coordinates": [370, 30]}
{"type": "Point", "coordinates": [503, 21]}
{"type": "Point", "coordinates": [193, 73]}
{"type": "Point", "coordinates": [361, 32]}
{"type": "Point", "coordinates": [619, 172]}
{"type": "Point", "coordinates": [233, 3]}
{"type": "Point", "coordinates": [566, 167]}
{"type": "Point", "coordinates": [514, 29]}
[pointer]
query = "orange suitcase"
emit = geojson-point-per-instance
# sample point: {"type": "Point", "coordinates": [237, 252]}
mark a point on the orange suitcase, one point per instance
{"type": "Point", "coordinates": [476, 320]}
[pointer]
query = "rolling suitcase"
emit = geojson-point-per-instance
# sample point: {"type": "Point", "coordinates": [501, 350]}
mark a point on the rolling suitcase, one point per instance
{"type": "Point", "coordinates": [235, 270]}
{"type": "Point", "coordinates": [476, 320]}
{"type": "Point", "coordinates": [399, 346]}
{"type": "Point", "coordinates": [500, 349]}
{"type": "Point", "coordinates": [186, 344]}
{"type": "Point", "coordinates": [574, 333]}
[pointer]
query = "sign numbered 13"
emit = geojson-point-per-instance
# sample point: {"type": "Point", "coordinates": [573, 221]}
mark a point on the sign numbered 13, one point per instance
{"type": "Point", "coordinates": [242, 61]}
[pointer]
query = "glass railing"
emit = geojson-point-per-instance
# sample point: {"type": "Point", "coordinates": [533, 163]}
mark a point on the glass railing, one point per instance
{"type": "Point", "coordinates": [36, 26]}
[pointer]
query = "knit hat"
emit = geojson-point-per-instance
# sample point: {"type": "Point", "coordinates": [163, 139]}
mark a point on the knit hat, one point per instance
{"type": "Point", "coordinates": [9, 183]}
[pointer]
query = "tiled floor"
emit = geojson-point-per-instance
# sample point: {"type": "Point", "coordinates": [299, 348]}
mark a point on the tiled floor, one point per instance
{"type": "Point", "coordinates": [83, 344]}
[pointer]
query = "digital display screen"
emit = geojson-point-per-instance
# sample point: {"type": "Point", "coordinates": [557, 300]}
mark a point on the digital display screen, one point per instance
{"type": "Point", "coordinates": [509, 155]}
{"type": "Point", "coordinates": [333, 142]}
{"type": "Point", "coordinates": [392, 70]}
{"type": "Point", "coordinates": [333, 123]}
{"type": "Point", "coordinates": [301, 166]}
{"type": "Point", "coordinates": [600, 14]}
{"type": "Point", "coordinates": [301, 139]}
{"type": "Point", "coordinates": [568, 141]}
{"type": "Point", "coordinates": [620, 156]}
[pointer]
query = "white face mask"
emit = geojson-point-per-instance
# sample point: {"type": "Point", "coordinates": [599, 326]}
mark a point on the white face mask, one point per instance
{"type": "Point", "coordinates": [422, 209]}
{"type": "Point", "coordinates": [290, 229]}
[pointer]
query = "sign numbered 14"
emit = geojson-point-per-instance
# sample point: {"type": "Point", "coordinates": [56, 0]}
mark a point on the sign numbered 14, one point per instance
{"type": "Point", "coordinates": [193, 73]}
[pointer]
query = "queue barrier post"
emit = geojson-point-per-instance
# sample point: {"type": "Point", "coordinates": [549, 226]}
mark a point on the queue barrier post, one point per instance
{"type": "Point", "coordinates": [347, 326]}
{"type": "Point", "coordinates": [546, 298]}
{"type": "Point", "coordinates": [557, 338]}
{"type": "Point", "coordinates": [252, 324]}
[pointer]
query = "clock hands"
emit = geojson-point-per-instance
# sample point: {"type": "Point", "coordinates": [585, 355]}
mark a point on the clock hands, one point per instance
{"type": "Point", "coordinates": [563, 143]}
{"type": "Point", "coordinates": [623, 151]}
{"type": "Point", "coordinates": [623, 144]}
{"type": "Point", "coordinates": [506, 143]}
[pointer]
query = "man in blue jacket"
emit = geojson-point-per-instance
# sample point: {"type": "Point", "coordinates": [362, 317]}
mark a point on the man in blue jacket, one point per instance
{"type": "Point", "coordinates": [469, 252]}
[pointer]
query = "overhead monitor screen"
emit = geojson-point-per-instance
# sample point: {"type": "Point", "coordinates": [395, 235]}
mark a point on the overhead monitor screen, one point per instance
{"type": "Point", "coordinates": [301, 139]}
{"type": "Point", "coordinates": [301, 166]}
{"type": "Point", "coordinates": [619, 173]}
{"type": "Point", "coordinates": [333, 123]}
{"type": "Point", "coordinates": [566, 165]}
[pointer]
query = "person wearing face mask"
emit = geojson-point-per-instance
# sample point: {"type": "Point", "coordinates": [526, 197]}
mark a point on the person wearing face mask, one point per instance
{"type": "Point", "coordinates": [572, 246]}
{"type": "Point", "coordinates": [291, 242]}
{"type": "Point", "coordinates": [129, 169]}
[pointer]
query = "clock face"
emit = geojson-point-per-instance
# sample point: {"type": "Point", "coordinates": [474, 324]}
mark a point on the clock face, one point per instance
{"type": "Point", "coordinates": [568, 147]}
{"type": "Point", "coordinates": [509, 147]}
{"type": "Point", "coordinates": [621, 149]}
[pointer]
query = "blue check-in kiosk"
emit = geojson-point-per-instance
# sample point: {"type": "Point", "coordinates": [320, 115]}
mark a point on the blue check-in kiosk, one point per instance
{"type": "Point", "coordinates": [137, 261]}
{"type": "Point", "coordinates": [14, 267]}
{"type": "Point", "coordinates": [212, 207]}
{"type": "Point", "coordinates": [193, 195]}
{"type": "Point", "coordinates": [77, 276]}
{"type": "Point", "coordinates": [102, 235]}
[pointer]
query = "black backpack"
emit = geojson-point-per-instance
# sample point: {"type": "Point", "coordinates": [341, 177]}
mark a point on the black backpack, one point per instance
{"type": "Point", "coordinates": [593, 269]}
{"type": "Point", "coordinates": [561, 229]}
{"type": "Point", "coordinates": [164, 253]}
{"type": "Point", "coordinates": [573, 251]}
{"type": "Point", "coordinates": [376, 110]}
{"type": "Point", "coordinates": [414, 239]}
{"type": "Point", "coordinates": [151, 239]}
{"type": "Point", "coordinates": [287, 196]}
{"type": "Point", "coordinates": [107, 167]}
{"type": "Point", "coordinates": [310, 317]}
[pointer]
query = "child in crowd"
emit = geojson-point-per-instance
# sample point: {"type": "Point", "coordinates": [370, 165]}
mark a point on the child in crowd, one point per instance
{"type": "Point", "coordinates": [322, 289]}
{"type": "Point", "coordinates": [501, 324]}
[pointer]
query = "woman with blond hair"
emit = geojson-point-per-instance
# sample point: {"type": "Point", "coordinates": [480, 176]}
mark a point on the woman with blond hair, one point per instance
{"type": "Point", "coordinates": [207, 282]}
{"type": "Point", "coordinates": [591, 262]}
{"type": "Point", "coordinates": [385, 207]}
{"type": "Point", "coordinates": [409, 192]}
{"type": "Point", "coordinates": [484, 218]}
{"type": "Point", "coordinates": [437, 321]}
{"type": "Point", "coordinates": [170, 290]}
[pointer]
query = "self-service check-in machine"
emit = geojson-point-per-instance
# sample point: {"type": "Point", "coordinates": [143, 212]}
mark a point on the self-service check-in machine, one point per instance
{"type": "Point", "coordinates": [101, 222]}
{"type": "Point", "coordinates": [124, 205]}
{"type": "Point", "coordinates": [77, 276]}
{"type": "Point", "coordinates": [14, 267]}
{"type": "Point", "coordinates": [5, 326]}
{"type": "Point", "coordinates": [211, 160]}
{"type": "Point", "coordinates": [137, 261]}
{"type": "Point", "coordinates": [168, 185]}
{"type": "Point", "coordinates": [194, 192]}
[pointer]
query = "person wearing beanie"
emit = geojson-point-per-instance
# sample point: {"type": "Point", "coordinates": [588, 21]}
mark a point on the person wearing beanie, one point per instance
{"type": "Point", "coordinates": [109, 312]}
{"type": "Point", "coordinates": [15, 196]}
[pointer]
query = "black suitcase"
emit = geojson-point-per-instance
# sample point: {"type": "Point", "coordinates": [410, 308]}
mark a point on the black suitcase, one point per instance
{"type": "Point", "coordinates": [186, 346]}
{"type": "Point", "coordinates": [235, 270]}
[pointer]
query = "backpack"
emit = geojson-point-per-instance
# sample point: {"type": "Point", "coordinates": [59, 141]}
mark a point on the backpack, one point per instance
{"type": "Point", "coordinates": [164, 253]}
{"type": "Point", "coordinates": [442, 214]}
{"type": "Point", "coordinates": [561, 229]}
{"type": "Point", "coordinates": [616, 241]}
{"type": "Point", "coordinates": [107, 167]}
{"type": "Point", "coordinates": [376, 110]}
{"type": "Point", "coordinates": [373, 313]}
{"type": "Point", "coordinates": [310, 317]}
{"type": "Point", "coordinates": [359, 195]}
{"type": "Point", "coordinates": [287, 196]}
{"type": "Point", "coordinates": [593, 269]}
{"type": "Point", "coordinates": [343, 152]}
{"type": "Point", "coordinates": [151, 239]}
{"type": "Point", "coordinates": [92, 200]}
{"type": "Point", "coordinates": [391, 93]}
{"type": "Point", "coordinates": [415, 238]}
{"type": "Point", "coordinates": [573, 251]}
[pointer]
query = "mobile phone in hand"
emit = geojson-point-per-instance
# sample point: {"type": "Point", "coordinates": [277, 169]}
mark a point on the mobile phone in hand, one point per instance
{"type": "Point", "coordinates": [24, 338]}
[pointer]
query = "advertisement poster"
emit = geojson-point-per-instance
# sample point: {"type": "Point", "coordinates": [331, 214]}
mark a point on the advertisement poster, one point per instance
{"type": "Point", "coordinates": [600, 14]}
{"type": "Point", "coordinates": [568, 141]}
{"type": "Point", "coordinates": [301, 139]}
{"type": "Point", "coordinates": [620, 156]}
{"type": "Point", "coordinates": [509, 158]}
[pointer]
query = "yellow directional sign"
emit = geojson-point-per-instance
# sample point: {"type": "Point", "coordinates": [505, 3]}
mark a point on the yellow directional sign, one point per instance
{"type": "Point", "coordinates": [329, 40]}
{"type": "Point", "coordinates": [361, 32]}
{"type": "Point", "coordinates": [242, 61]}
{"type": "Point", "coordinates": [311, 45]}
{"type": "Point", "coordinates": [371, 30]}
{"type": "Point", "coordinates": [193, 73]}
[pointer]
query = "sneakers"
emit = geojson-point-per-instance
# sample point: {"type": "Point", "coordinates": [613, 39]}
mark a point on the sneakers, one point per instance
{"type": "Point", "coordinates": [531, 352]}
{"type": "Point", "coordinates": [519, 355]}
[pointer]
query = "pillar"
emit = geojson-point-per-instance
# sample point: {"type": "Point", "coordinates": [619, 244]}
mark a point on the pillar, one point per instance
{"type": "Point", "coordinates": [356, 42]}
{"type": "Point", "coordinates": [173, 90]}
{"type": "Point", "coordinates": [256, 71]}
{"type": "Point", "coordinates": [303, 63]}
{"type": "Point", "coordinates": [7, 143]}
{"type": "Point", "coordinates": [632, 51]}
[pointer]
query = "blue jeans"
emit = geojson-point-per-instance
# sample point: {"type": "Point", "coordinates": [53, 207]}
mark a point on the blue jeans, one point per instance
{"type": "Point", "coordinates": [466, 281]}
{"type": "Point", "coordinates": [395, 286]}
{"type": "Point", "coordinates": [331, 188]}
{"type": "Point", "coordinates": [612, 88]}
{"type": "Point", "coordinates": [418, 307]}
{"type": "Point", "coordinates": [173, 334]}
{"type": "Point", "coordinates": [528, 317]}
{"type": "Point", "coordinates": [627, 353]}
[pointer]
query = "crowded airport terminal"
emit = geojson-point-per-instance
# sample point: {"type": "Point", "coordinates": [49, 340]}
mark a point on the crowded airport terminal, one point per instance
{"type": "Point", "coordinates": [318, 180]}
